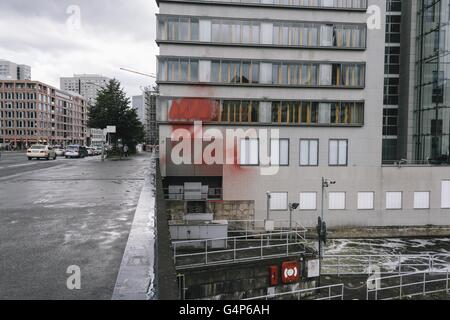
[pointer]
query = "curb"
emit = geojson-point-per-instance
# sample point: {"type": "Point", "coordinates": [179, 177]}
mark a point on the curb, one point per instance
{"type": "Point", "coordinates": [136, 276]}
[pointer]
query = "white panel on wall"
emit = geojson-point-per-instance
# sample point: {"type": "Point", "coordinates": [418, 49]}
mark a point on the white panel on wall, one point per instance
{"type": "Point", "coordinates": [265, 73]}
{"type": "Point", "coordinates": [308, 201]}
{"type": "Point", "coordinates": [324, 112]}
{"type": "Point", "coordinates": [204, 71]}
{"type": "Point", "coordinates": [279, 201]}
{"type": "Point", "coordinates": [205, 30]}
{"type": "Point", "coordinates": [304, 152]}
{"type": "Point", "coordinates": [343, 145]}
{"type": "Point", "coordinates": [421, 200]}
{"type": "Point", "coordinates": [445, 195]}
{"type": "Point", "coordinates": [313, 152]}
{"type": "Point", "coordinates": [326, 36]}
{"type": "Point", "coordinates": [275, 152]}
{"type": "Point", "coordinates": [333, 152]}
{"type": "Point", "coordinates": [393, 200]}
{"type": "Point", "coordinates": [265, 112]}
{"type": "Point", "coordinates": [266, 33]}
{"type": "Point", "coordinates": [336, 201]}
{"type": "Point", "coordinates": [365, 200]}
{"type": "Point", "coordinates": [325, 74]}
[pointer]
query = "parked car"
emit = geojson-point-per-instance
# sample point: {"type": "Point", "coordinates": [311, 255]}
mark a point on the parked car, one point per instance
{"type": "Point", "coordinates": [60, 151]}
{"type": "Point", "coordinates": [98, 150]}
{"type": "Point", "coordinates": [41, 152]}
{"type": "Point", "coordinates": [76, 151]}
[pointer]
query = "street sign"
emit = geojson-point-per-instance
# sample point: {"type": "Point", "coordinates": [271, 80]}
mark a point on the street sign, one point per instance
{"type": "Point", "coordinates": [313, 268]}
{"type": "Point", "coordinates": [111, 129]}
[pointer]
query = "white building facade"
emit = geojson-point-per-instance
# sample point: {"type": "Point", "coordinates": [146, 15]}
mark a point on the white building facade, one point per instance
{"type": "Point", "coordinates": [312, 73]}
{"type": "Point", "coordinates": [13, 71]}
{"type": "Point", "coordinates": [86, 85]}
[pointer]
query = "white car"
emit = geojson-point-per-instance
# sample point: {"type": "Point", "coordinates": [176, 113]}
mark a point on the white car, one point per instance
{"type": "Point", "coordinates": [91, 151]}
{"type": "Point", "coordinates": [41, 152]}
{"type": "Point", "coordinates": [60, 152]}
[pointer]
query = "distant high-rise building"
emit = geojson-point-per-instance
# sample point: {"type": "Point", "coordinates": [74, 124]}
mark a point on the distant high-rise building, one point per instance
{"type": "Point", "coordinates": [86, 85]}
{"type": "Point", "coordinates": [145, 106]}
{"type": "Point", "coordinates": [138, 104]}
{"type": "Point", "coordinates": [12, 71]}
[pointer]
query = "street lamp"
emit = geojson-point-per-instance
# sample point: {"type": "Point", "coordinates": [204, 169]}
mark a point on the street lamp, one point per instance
{"type": "Point", "coordinates": [321, 225]}
{"type": "Point", "coordinates": [292, 207]}
{"type": "Point", "coordinates": [268, 205]}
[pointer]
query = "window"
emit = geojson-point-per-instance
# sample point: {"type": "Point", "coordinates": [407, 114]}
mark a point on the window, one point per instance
{"type": "Point", "coordinates": [279, 201]}
{"type": "Point", "coordinates": [336, 200]}
{"type": "Point", "coordinates": [365, 200]}
{"type": "Point", "coordinates": [394, 200]}
{"type": "Point", "coordinates": [445, 195]}
{"type": "Point", "coordinates": [237, 111]}
{"type": "Point", "coordinates": [249, 152]}
{"type": "Point", "coordinates": [309, 152]}
{"type": "Point", "coordinates": [338, 153]}
{"type": "Point", "coordinates": [279, 152]}
{"type": "Point", "coordinates": [311, 113]}
{"type": "Point", "coordinates": [421, 200]}
{"type": "Point", "coordinates": [308, 201]}
{"type": "Point", "coordinates": [178, 70]}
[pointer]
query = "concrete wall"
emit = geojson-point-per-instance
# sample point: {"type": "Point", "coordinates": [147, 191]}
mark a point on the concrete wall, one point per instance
{"type": "Point", "coordinates": [239, 281]}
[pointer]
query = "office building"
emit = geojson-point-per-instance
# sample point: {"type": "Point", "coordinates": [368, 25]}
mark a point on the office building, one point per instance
{"type": "Point", "coordinates": [12, 71]}
{"type": "Point", "coordinates": [310, 75]}
{"type": "Point", "coordinates": [86, 85]}
{"type": "Point", "coordinates": [32, 112]}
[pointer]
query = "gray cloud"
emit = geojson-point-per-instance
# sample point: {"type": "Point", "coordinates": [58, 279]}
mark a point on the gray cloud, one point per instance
{"type": "Point", "coordinates": [114, 34]}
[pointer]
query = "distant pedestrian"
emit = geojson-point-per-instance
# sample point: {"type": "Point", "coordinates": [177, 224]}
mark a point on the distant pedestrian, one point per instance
{"type": "Point", "coordinates": [125, 151]}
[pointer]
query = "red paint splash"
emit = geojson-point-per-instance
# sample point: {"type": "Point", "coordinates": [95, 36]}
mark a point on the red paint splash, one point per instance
{"type": "Point", "coordinates": [194, 109]}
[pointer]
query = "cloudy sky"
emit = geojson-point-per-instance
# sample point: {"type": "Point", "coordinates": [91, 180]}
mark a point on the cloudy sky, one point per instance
{"type": "Point", "coordinates": [63, 37]}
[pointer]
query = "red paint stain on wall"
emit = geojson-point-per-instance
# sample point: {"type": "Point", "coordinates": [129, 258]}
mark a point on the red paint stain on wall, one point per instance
{"type": "Point", "coordinates": [194, 109]}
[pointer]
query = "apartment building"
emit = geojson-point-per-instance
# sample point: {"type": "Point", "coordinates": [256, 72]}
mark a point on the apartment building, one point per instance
{"type": "Point", "coordinates": [13, 71]}
{"type": "Point", "coordinates": [310, 75]}
{"type": "Point", "coordinates": [86, 85]}
{"type": "Point", "coordinates": [33, 112]}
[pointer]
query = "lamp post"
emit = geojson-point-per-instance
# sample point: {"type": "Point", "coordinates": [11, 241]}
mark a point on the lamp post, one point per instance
{"type": "Point", "coordinates": [321, 225]}
{"type": "Point", "coordinates": [292, 207]}
{"type": "Point", "coordinates": [268, 205]}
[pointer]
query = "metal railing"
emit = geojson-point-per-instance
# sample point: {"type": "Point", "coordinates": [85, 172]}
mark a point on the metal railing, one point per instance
{"type": "Point", "coordinates": [332, 292]}
{"type": "Point", "coordinates": [334, 4]}
{"type": "Point", "coordinates": [408, 285]}
{"type": "Point", "coordinates": [363, 264]}
{"type": "Point", "coordinates": [248, 227]}
{"type": "Point", "coordinates": [197, 253]}
{"type": "Point", "coordinates": [213, 194]}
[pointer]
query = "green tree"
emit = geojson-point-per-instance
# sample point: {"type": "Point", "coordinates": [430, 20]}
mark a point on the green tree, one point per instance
{"type": "Point", "coordinates": [113, 109]}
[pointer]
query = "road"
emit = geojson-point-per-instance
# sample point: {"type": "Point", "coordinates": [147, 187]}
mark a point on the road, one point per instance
{"type": "Point", "coordinates": [56, 214]}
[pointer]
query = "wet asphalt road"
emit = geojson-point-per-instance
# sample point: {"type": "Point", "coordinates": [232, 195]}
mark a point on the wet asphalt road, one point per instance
{"type": "Point", "coordinates": [55, 214]}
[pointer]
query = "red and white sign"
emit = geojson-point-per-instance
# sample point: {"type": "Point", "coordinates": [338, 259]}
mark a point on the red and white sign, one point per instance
{"type": "Point", "coordinates": [290, 272]}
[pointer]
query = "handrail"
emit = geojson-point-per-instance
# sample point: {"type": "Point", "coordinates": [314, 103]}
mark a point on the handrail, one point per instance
{"type": "Point", "coordinates": [398, 263]}
{"type": "Point", "coordinates": [422, 290]}
{"type": "Point", "coordinates": [304, 291]}
{"type": "Point", "coordinates": [282, 244]}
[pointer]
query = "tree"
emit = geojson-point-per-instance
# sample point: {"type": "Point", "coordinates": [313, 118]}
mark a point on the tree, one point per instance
{"type": "Point", "coordinates": [113, 109]}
